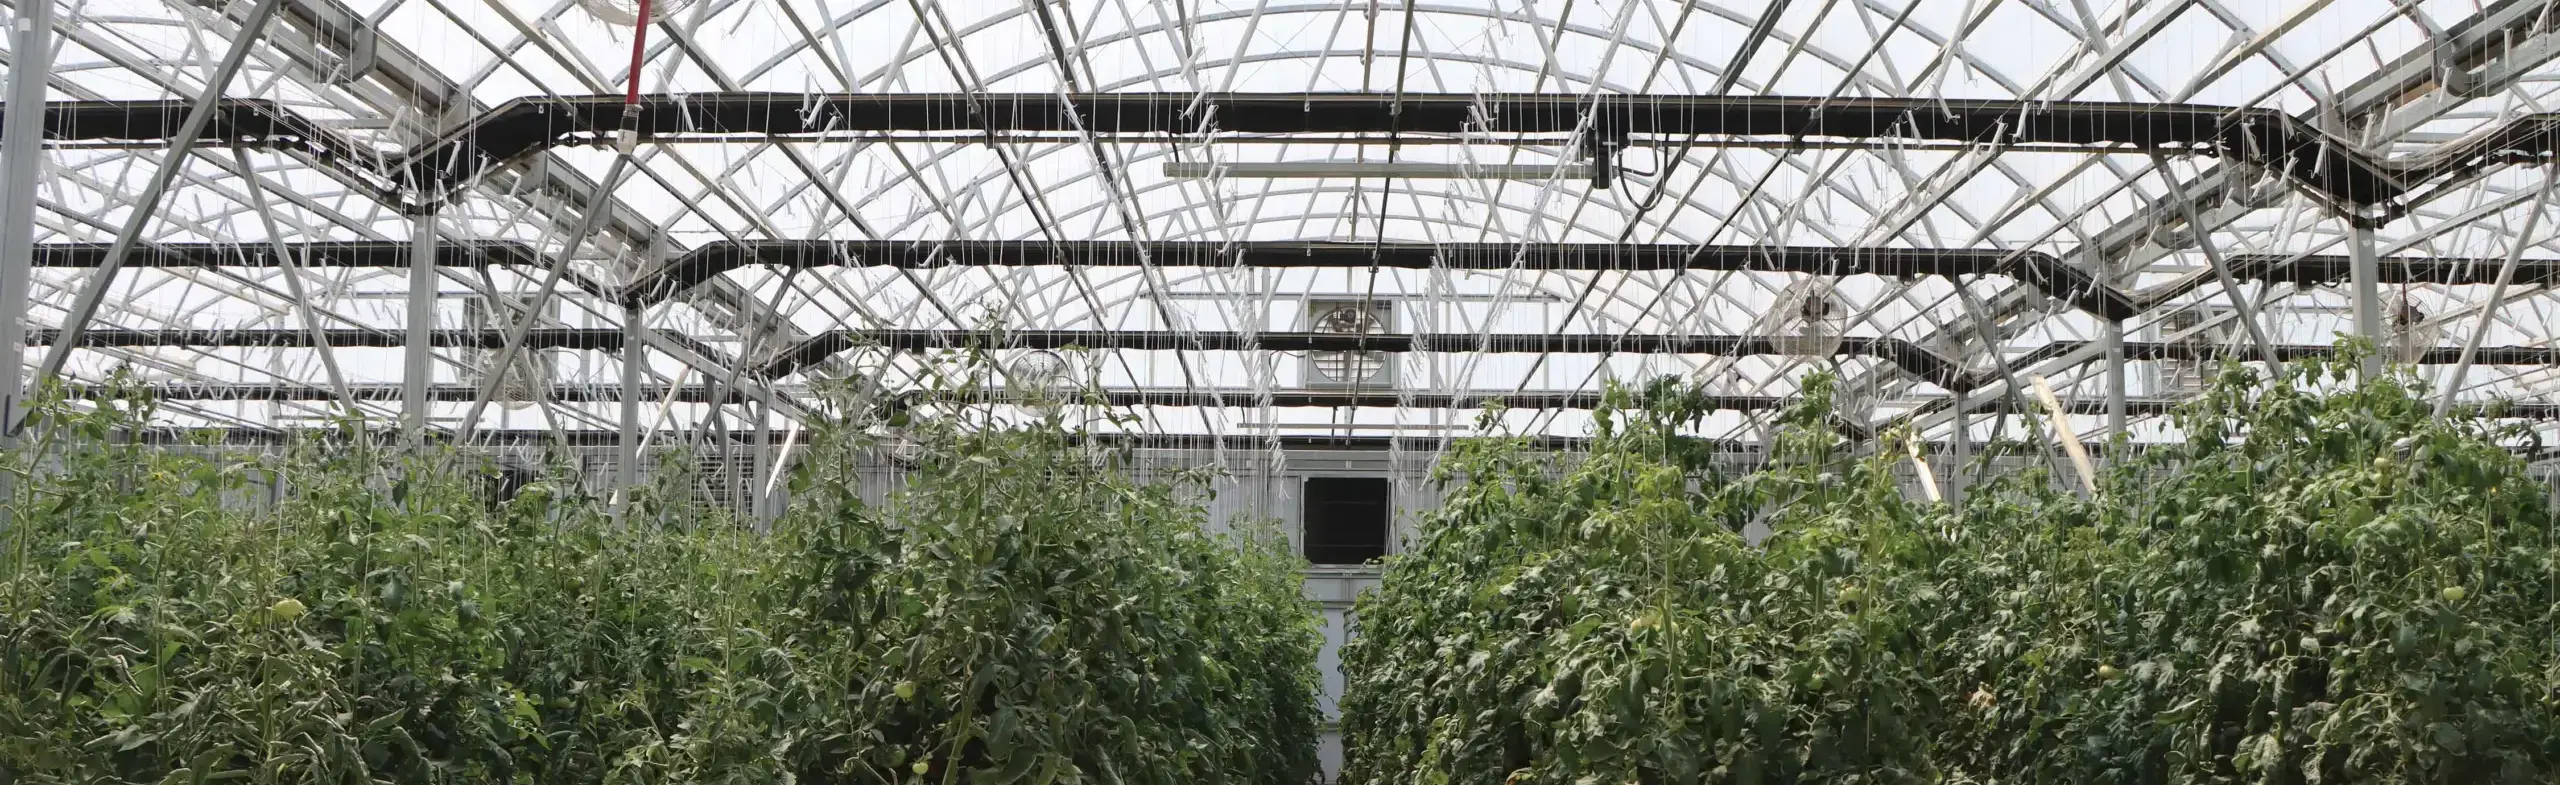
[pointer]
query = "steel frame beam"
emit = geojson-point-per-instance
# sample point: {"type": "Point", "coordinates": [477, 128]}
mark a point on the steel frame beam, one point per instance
{"type": "Point", "coordinates": [21, 164]}
{"type": "Point", "coordinates": [438, 102]}
{"type": "Point", "coordinates": [145, 206]}
{"type": "Point", "coordinates": [2506, 40]}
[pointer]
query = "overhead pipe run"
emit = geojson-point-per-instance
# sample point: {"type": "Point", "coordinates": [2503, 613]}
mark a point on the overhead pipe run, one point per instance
{"type": "Point", "coordinates": [1911, 358]}
{"type": "Point", "coordinates": [2044, 273]}
{"type": "Point", "coordinates": [1223, 398]}
{"type": "Point", "coordinates": [2335, 170]}
{"type": "Point", "coordinates": [1196, 170]}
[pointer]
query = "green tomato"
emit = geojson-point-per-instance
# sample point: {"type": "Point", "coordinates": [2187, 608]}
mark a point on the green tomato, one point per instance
{"type": "Point", "coordinates": [920, 767]}
{"type": "Point", "coordinates": [906, 690]}
{"type": "Point", "coordinates": [1645, 621]}
{"type": "Point", "coordinates": [2454, 593]}
{"type": "Point", "coordinates": [2108, 672]}
{"type": "Point", "coordinates": [287, 609]}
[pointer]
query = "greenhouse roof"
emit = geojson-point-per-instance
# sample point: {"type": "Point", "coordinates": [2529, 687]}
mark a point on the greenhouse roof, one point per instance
{"type": "Point", "coordinates": [1274, 219]}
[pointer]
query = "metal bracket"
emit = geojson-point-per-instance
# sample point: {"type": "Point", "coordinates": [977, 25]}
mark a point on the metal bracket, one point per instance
{"type": "Point", "coordinates": [1601, 147]}
{"type": "Point", "coordinates": [359, 60]}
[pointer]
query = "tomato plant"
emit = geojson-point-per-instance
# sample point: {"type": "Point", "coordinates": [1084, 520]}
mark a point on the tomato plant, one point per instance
{"type": "Point", "coordinates": [2322, 583]}
{"type": "Point", "coordinates": [1601, 619]}
{"type": "Point", "coordinates": [1020, 608]}
{"type": "Point", "coordinates": [2315, 586]}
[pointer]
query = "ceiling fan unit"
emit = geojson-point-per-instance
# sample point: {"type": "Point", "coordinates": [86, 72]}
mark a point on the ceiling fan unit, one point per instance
{"type": "Point", "coordinates": [1350, 369]}
{"type": "Point", "coordinates": [1808, 320]}
{"type": "Point", "coordinates": [1041, 375]}
{"type": "Point", "coordinates": [2407, 332]}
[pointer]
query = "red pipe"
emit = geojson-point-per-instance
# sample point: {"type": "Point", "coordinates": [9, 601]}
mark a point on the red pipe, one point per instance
{"type": "Point", "coordinates": [639, 44]}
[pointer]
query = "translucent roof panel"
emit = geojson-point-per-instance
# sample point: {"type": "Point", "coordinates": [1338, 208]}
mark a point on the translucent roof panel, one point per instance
{"type": "Point", "coordinates": [1190, 267]}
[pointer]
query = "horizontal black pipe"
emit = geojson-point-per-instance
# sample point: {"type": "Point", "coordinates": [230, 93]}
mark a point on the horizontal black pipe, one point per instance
{"type": "Point", "coordinates": [2264, 137]}
{"type": "Point", "coordinates": [377, 391]}
{"type": "Point", "coordinates": [1911, 357]}
{"type": "Point", "coordinates": [335, 253]}
{"type": "Point", "coordinates": [1224, 398]}
{"type": "Point", "coordinates": [254, 123]}
{"type": "Point", "coordinates": [600, 339]}
{"type": "Point", "coordinates": [2246, 352]}
{"type": "Point", "coordinates": [584, 393]}
{"type": "Point", "coordinates": [2040, 270]}
{"type": "Point", "coordinates": [2047, 274]}
{"type": "Point", "coordinates": [1244, 446]}
{"type": "Point", "coordinates": [675, 439]}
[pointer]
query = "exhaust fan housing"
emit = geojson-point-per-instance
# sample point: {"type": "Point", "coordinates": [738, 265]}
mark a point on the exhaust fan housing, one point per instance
{"type": "Point", "coordinates": [1808, 319]}
{"type": "Point", "coordinates": [1345, 370]}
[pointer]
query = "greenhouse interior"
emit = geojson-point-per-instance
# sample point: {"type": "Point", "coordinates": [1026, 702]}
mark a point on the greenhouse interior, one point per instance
{"type": "Point", "coordinates": [1573, 392]}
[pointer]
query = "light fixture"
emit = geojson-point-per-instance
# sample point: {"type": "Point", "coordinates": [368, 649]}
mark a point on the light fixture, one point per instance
{"type": "Point", "coordinates": [1409, 171]}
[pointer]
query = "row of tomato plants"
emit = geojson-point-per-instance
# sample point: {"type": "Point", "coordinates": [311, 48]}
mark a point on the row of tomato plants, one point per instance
{"type": "Point", "coordinates": [1021, 610]}
{"type": "Point", "coordinates": [2323, 583]}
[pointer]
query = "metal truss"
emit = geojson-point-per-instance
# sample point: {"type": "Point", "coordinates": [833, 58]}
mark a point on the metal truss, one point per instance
{"type": "Point", "coordinates": [942, 187]}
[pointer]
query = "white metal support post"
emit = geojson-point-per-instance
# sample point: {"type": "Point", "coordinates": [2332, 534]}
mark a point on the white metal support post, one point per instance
{"type": "Point", "coordinates": [763, 446]}
{"type": "Point", "coordinates": [2365, 274]}
{"type": "Point", "coordinates": [2113, 333]}
{"type": "Point", "coordinates": [147, 204]}
{"type": "Point", "coordinates": [635, 358]}
{"type": "Point", "coordinates": [1961, 437]}
{"type": "Point", "coordinates": [21, 160]}
{"type": "Point", "coordinates": [417, 368]}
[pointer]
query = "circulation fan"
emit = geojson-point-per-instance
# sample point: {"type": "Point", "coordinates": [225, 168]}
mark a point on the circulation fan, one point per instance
{"type": "Point", "coordinates": [1039, 374]}
{"type": "Point", "coordinates": [2407, 333]}
{"type": "Point", "coordinates": [1808, 319]}
{"type": "Point", "coordinates": [1350, 368]}
{"type": "Point", "coordinates": [627, 12]}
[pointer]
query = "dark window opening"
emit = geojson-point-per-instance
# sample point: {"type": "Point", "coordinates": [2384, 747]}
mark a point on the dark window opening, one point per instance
{"type": "Point", "coordinates": [1346, 519]}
